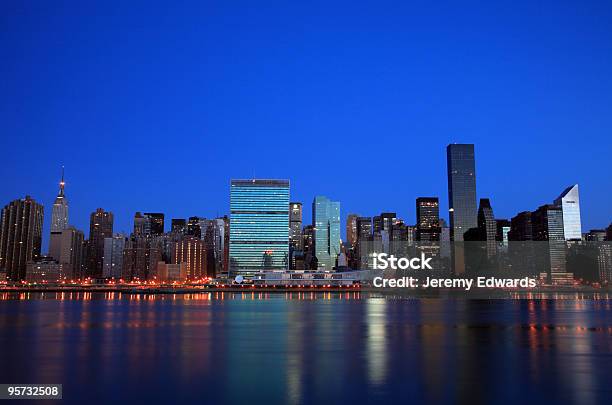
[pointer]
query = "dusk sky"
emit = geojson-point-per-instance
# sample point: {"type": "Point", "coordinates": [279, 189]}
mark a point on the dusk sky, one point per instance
{"type": "Point", "coordinates": [155, 107]}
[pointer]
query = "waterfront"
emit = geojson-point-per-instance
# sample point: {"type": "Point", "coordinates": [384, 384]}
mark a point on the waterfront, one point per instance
{"type": "Point", "coordinates": [303, 347]}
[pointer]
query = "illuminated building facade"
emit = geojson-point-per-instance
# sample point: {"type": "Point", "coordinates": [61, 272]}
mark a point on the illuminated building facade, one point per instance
{"type": "Point", "coordinates": [461, 189]}
{"type": "Point", "coordinates": [569, 202]}
{"type": "Point", "coordinates": [428, 219]}
{"type": "Point", "coordinates": [59, 220]}
{"type": "Point", "coordinates": [326, 222]}
{"type": "Point", "coordinates": [259, 226]}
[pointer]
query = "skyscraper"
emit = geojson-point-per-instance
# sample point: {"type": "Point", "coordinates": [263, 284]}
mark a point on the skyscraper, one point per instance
{"type": "Point", "coordinates": [59, 221]}
{"type": "Point", "coordinates": [156, 221]}
{"type": "Point", "coordinates": [296, 239]}
{"type": "Point", "coordinates": [192, 252]}
{"type": "Point", "coordinates": [148, 224]}
{"type": "Point", "coordinates": [141, 256]}
{"type": "Point", "coordinates": [487, 226]}
{"type": "Point", "coordinates": [569, 201]}
{"type": "Point", "coordinates": [20, 236]}
{"type": "Point", "coordinates": [351, 230]}
{"type": "Point", "coordinates": [259, 226]}
{"type": "Point", "coordinates": [428, 218]}
{"type": "Point", "coordinates": [547, 225]}
{"type": "Point", "coordinates": [384, 222]}
{"type": "Point", "coordinates": [179, 225]}
{"type": "Point", "coordinates": [100, 227]}
{"type": "Point", "coordinates": [214, 235]}
{"type": "Point", "coordinates": [71, 252]}
{"type": "Point", "coordinates": [520, 227]}
{"type": "Point", "coordinates": [141, 225]}
{"type": "Point", "coordinates": [193, 227]}
{"type": "Point", "coordinates": [113, 256]}
{"type": "Point", "coordinates": [461, 189]}
{"type": "Point", "coordinates": [364, 242]}
{"type": "Point", "coordinates": [326, 222]}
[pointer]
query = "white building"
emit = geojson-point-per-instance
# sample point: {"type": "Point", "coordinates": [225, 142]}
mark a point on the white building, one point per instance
{"type": "Point", "coordinates": [569, 201]}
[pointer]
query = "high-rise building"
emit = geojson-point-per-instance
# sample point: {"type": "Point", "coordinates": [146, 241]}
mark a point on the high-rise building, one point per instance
{"type": "Point", "coordinates": [71, 252]}
{"type": "Point", "coordinates": [113, 256]}
{"type": "Point", "coordinates": [59, 220]}
{"type": "Point", "coordinates": [20, 236]}
{"type": "Point", "coordinates": [193, 227]}
{"type": "Point", "coordinates": [351, 230]}
{"type": "Point", "coordinates": [215, 237]}
{"type": "Point", "coordinates": [547, 225]}
{"type": "Point", "coordinates": [428, 218]}
{"type": "Point", "coordinates": [487, 226]}
{"type": "Point", "coordinates": [296, 238]}
{"type": "Point", "coordinates": [326, 222]}
{"type": "Point", "coordinates": [141, 256]}
{"type": "Point", "coordinates": [192, 252]}
{"type": "Point", "coordinates": [503, 228]}
{"type": "Point", "coordinates": [520, 227]}
{"type": "Point", "coordinates": [461, 189]}
{"type": "Point", "coordinates": [148, 224]}
{"type": "Point", "coordinates": [569, 201]}
{"type": "Point", "coordinates": [259, 226]}
{"type": "Point", "coordinates": [384, 222]}
{"type": "Point", "coordinates": [100, 227]}
{"type": "Point", "coordinates": [156, 222]}
{"type": "Point", "coordinates": [142, 226]}
{"type": "Point", "coordinates": [609, 233]}
{"type": "Point", "coordinates": [364, 242]}
{"type": "Point", "coordinates": [179, 225]}
{"type": "Point", "coordinates": [309, 257]}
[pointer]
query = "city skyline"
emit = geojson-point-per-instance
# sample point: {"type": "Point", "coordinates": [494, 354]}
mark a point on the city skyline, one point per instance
{"type": "Point", "coordinates": [411, 219]}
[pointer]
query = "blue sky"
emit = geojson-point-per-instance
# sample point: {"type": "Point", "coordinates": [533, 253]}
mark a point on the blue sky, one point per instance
{"type": "Point", "coordinates": [154, 107]}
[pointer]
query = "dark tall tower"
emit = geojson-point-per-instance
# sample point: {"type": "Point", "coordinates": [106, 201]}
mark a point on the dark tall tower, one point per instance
{"type": "Point", "coordinates": [520, 227]}
{"type": "Point", "coordinates": [100, 227]}
{"type": "Point", "coordinates": [295, 226]}
{"type": "Point", "coordinates": [461, 189]}
{"type": "Point", "coordinates": [179, 225]}
{"type": "Point", "coordinates": [20, 236]}
{"type": "Point", "coordinates": [384, 222]}
{"type": "Point", "coordinates": [156, 221]}
{"type": "Point", "coordinates": [487, 226]}
{"type": "Point", "coordinates": [141, 227]}
{"type": "Point", "coordinates": [364, 241]}
{"type": "Point", "coordinates": [193, 227]}
{"type": "Point", "coordinates": [428, 219]}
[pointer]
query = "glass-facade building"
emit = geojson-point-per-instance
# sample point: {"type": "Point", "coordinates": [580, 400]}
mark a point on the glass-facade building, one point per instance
{"type": "Point", "coordinates": [569, 202]}
{"type": "Point", "coordinates": [259, 226]}
{"type": "Point", "coordinates": [326, 221]}
{"type": "Point", "coordinates": [428, 218]}
{"type": "Point", "coordinates": [461, 189]}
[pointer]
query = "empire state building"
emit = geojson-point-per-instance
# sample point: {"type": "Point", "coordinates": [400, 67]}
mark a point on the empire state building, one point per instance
{"type": "Point", "coordinates": [59, 221]}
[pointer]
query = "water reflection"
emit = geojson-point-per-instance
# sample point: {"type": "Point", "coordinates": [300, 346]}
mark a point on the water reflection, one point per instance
{"type": "Point", "coordinates": [302, 347]}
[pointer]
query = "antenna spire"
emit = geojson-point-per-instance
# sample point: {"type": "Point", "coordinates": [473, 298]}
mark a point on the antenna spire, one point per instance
{"type": "Point", "coordinates": [62, 183]}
